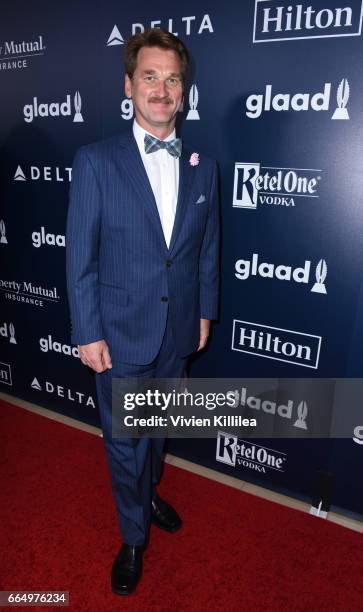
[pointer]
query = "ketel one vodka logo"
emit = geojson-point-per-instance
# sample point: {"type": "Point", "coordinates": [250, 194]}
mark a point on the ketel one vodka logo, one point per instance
{"type": "Point", "coordinates": [246, 268]}
{"type": "Point", "coordinates": [296, 348]}
{"type": "Point", "coordinates": [255, 184]}
{"type": "Point", "coordinates": [54, 109]}
{"type": "Point", "coordinates": [240, 453]}
{"type": "Point", "coordinates": [3, 239]}
{"type": "Point", "coordinates": [257, 104]}
{"type": "Point", "coordinates": [358, 434]}
{"type": "Point", "coordinates": [306, 19]}
{"type": "Point", "coordinates": [8, 331]}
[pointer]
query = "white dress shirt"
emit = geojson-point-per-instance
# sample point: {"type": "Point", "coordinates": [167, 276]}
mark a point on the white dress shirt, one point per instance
{"type": "Point", "coordinates": [163, 173]}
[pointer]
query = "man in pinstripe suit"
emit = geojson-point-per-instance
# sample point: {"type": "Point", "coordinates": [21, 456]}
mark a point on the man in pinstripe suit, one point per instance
{"type": "Point", "coordinates": [142, 271]}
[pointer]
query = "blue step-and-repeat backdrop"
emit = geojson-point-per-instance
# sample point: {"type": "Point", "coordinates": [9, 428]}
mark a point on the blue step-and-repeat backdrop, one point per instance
{"type": "Point", "coordinates": [275, 95]}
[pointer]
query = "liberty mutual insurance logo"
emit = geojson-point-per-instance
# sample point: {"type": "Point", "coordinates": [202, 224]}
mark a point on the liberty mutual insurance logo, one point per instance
{"type": "Point", "coordinates": [256, 184]}
{"type": "Point", "coordinates": [247, 268]}
{"type": "Point", "coordinates": [257, 104]}
{"type": "Point", "coordinates": [54, 109]}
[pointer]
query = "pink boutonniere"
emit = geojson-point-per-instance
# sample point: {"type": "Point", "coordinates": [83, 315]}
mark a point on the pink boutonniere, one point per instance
{"type": "Point", "coordinates": [194, 159]}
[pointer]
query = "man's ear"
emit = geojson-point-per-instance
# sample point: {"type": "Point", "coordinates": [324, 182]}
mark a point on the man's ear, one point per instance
{"type": "Point", "coordinates": [127, 86]}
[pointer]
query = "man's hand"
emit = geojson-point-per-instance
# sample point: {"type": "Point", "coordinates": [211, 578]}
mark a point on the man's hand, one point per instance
{"type": "Point", "coordinates": [96, 356]}
{"type": "Point", "coordinates": [204, 333]}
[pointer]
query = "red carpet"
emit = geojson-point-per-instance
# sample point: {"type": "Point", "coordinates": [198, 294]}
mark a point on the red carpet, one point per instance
{"type": "Point", "coordinates": [235, 552]}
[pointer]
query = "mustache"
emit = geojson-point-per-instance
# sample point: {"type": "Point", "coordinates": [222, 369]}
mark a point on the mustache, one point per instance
{"type": "Point", "coordinates": [165, 99]}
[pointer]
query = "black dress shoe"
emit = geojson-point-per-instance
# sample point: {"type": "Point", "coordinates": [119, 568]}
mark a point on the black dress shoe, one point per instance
{"type": "Point", "coordinates": [127, 569]}
{"type": "Point", "coordinates": [164, 516]}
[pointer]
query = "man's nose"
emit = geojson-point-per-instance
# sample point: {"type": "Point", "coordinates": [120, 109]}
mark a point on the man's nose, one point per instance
{"type": "Point", "coordinates": [162, 88]}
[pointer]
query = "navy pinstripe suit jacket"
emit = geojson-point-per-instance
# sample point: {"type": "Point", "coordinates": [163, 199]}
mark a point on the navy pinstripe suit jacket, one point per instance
{"type": "Point", "coordinates": [119, 268]}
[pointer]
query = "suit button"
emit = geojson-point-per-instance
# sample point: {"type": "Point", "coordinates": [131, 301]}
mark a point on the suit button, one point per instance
{"type": "Point", "coordinates": [164, 298]}
{"type": "Point", "coordinates": [168, 263]}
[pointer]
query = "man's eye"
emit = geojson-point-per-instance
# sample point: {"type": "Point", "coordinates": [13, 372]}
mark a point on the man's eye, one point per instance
{"type": "Point", "coordinates": [149, 79]}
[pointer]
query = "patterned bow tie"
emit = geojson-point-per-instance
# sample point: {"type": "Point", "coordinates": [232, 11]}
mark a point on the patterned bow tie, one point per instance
{"type": "Point", "coordinates": [173, 147]}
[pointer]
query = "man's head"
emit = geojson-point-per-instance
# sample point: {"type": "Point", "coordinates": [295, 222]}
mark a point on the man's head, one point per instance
{"type": "Point", "coordinates": [156, 64]}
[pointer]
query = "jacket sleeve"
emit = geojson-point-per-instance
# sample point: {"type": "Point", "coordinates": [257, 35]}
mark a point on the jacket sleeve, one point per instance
{"type": "Point", "coordinates": [209, 257]}
{"type": "Point", "coordinates": [82, 247]}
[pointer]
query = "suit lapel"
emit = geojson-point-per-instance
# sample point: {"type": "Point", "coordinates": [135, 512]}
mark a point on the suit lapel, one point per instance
{"type": "Point", "coordinates": [134, 167]}
{"type": "Point", "coordinates": [186, 174]}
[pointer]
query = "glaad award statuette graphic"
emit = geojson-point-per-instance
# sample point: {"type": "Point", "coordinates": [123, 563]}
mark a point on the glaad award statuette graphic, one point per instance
{"type": "Point", "coordinates": [320, 275]}
{"type": "Point", "coordinates": [341, 111]}
{"type": "Point", "coordinates": [12, 334]}
{"type": "Point", "coordinates": [3, 239]}
{"type": "Point", "coordinates": [193, 103]}
{"type": "Point", "coordinates": [77, 105]}
{"type": "Point", "coordinates": [302, 413]}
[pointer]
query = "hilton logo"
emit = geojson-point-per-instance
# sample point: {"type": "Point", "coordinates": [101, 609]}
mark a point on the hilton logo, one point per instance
{"type": "Point", "coordinates": [5, 374]}
{"type": "Point", "coordinates": [305, 20]}
{"type": "Point", "coordinates": [255, 184]}
{"type": "Point", "coordinates": [239, 453]}
{"type": "Point", "coordinates": [289, 346]}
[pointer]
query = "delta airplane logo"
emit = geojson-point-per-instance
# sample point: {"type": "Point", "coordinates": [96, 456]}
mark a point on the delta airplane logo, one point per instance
{"type": "Point", "coordinates": [64, 393]}
{"type": "Point", "coordinates": [257, 104]}
{"type": "Point", "coordinates": [115, 37]}
{"type": "Point", "coordinates": [44, 173]}
{"type": "Point", "coordinates": [187, 26]}
{"type": "Point", "coordinates": [246, 268]}
{"type": "Point", "coordinates": [54, 109]}
{"type": "Point", "coordinates": [305, 20]}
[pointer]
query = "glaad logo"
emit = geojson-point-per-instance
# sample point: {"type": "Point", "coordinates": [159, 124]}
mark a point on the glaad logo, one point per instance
{"type": "Point", "coordinates": [255, 184]}
{"type": "Point", "coordinates": [245, 268]}
{"type": "Point", "coordinates": [41, 238]}
{"type": "Point", "coordinates": [358, 434]}
{"type": "Point", "coordinates": [193, 103]}
{"type": "Point", "coordinates": [8, 332]}
{"type": "Point", "coordinates": [15, 55]}
{"type": "Point", "coordinates": [3, 239]}
{"type": "Point", "coordinates": [115, 37]}
{"type": "Point", "coordinates": [48, 344]}
{"type": "Point", "coordinates": [45, 173]}
{"type": "Point", "coordinates": [299, 21]}
{"type": "Point", "coordinates": [236, 452]}
{"type": "Point", "coordinates": [187, 26]}
{"type": "Point", "coordinates": [64, 393]}
{"type": "Point", "coordinates": [256, 104]}
{"type": "Point", "coordinates": [263, 341]}
{"type": "Point", "coordinates": [54, 109]}
{"type": "Point", "coordinates": [267, 406]}
{"type": "Point", "coordinates": [5, 374]}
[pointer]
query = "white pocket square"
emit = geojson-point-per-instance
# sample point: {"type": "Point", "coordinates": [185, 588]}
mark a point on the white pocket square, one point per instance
{"type": "Point", "coordinates": [201, 199]}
